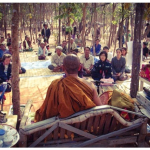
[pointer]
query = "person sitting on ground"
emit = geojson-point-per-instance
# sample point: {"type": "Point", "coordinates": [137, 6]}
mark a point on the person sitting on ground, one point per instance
{"type": "Point", "coordinates": [42, 51]}
{"type": "Point", "coordinates": [2, 50]}
{"type": "Point", "coordinates": [2, 40]}
{"type": "Point", "coordinates": [8, 38]}
{"type": "Point", "coordinates": [102, 68]}
{"type": "Point", "coordinates": [72, 44]}
{"type": "Point", "coordinates": [47, 46]}
{"type": "Point", "coordinates": [87, 62]}
{"type": "Point", "coordinates": [27, 44]}
{"type": "Point", "coordinates": [109, 54]}
{"type": "Point", "coordinates": [97, 48]}
{"type": "Point", "coordinates": [68, 95]}
{"type": "Point", "coordinates": [9, 51]}
{"type": "Point", "coordinates": [57, 60]}
{"type": "Point", "coordinates": [78, 41]}
{"type": "Point", "coordinates": [64, 46]}
{"type": "Point", "coordinates": [5, 69]}
{"type": "Point", "coordinates": [118, 66]}
{"type": "Point", "coordinates": [125, 55]}
{"type": "Point", "coordinates": [145, 49]}
{"type": "Point", "coordinates": [39, 39]}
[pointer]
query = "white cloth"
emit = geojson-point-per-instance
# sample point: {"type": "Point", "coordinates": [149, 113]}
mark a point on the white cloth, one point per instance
{"type": "Point", "coordinates": [58, 60]}
{"type": "Point", "coordinates": [87, 63]}
{"type": "Point", "coordinates": [5, 70]}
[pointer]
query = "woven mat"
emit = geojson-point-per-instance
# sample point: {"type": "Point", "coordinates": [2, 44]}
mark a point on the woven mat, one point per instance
{"type": "Point", "coordinates": [39, 72]}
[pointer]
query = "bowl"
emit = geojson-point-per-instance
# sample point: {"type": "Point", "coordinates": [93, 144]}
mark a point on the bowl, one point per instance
{"type": "Point", "coordinates": [8, 140]}
{"type": "Point", "coordinates": [12, 132]}
{"type": "Point", "coordinates": [1, 143]}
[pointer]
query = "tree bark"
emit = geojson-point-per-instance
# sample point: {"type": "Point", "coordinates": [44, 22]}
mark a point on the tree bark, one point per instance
{"type": "Point", "coordinates": [15, 61]}
{"type": "Point", "coordinates": [5, 24]}
{"type": "Point", "coordinates": [69, 35]}
{"type": "Point", "coordinates": [59, 39]}
{"type": "Point", "coordinates": [94, 36]}
{"type": "Point", "coordinates": [84, 21]}
{"type": "Point", "coordinates": [121, 28]}
{"type": "Point", "coordinates": [40, 16]}
{"type": "Point", "coordinates": [136, 50]}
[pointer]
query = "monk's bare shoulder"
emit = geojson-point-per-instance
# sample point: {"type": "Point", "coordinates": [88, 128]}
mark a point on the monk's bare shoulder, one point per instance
{"type": "Point", "coordinates": [88, 83]}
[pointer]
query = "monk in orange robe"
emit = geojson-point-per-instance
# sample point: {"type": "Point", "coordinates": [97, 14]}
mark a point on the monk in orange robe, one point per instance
{"type": "Point", "coordinates": [66, 96]}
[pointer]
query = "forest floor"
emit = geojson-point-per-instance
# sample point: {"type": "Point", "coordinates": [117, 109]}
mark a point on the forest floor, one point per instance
{"type": "Point", "coordinates": [34, 83]}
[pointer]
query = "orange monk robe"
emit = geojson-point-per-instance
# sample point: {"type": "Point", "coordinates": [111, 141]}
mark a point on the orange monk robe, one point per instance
{"type": "Point", "coordinates": [65, 97]}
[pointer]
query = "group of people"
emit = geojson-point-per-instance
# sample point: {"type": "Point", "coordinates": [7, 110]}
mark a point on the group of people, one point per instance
{"type": "Point", "coordinates": [6, 61]}
{"type": "Point", "coordinates": [106, 67]}
{"type": "Point", "coordinates": [71, 93]}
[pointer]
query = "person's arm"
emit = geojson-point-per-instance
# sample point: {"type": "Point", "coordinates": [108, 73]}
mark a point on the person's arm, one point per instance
{"type": "Point", "coordinates": [46, 52]}
{"type": "Point", "coordinates": [2, 73]}
{"type": "Point", "coordinates": [123, 65]}
{"type": "Point", "coordinates": [109, 72]}
{"type": "Point", "coordinates": [95, 72]}
{"type": "Point", "coordinates": [92, 63]}
{"type": "Point", "coordinates": [96, 98]}
{"type": "Point", "coordinates": [42, 32]}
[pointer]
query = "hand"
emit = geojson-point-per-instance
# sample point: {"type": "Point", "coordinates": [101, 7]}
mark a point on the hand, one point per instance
{"type": "Point", "coordinates": [88, 71]}
{"type": "Point", "coordinates": [118, 74]}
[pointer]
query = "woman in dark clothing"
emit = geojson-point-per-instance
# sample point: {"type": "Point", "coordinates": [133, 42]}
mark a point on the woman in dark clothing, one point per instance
{"type": "Point", "coordinates": [5, 68]}
{"type": "Point", "coordinates": [102, 68]}
{"type": "Point", "coordinates": [118, 66]}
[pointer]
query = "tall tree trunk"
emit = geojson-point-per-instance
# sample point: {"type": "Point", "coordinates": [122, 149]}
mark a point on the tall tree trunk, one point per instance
{"type": "Point", "coordinates": [15, 61]}
{"type": "Point", "coordinates": [84, 21]}
{"type": "Point", "coordinates": [127, 25]}
{"type": "Point", "coordinates": [94, 36]}
{"type": "Point", "coordinates": [5, 24]}
{"type": "Point", "coordinates": [69, 35]}
{"type": "Point", "coordinates": [59, 40]}
{"type": "Point", "coordinates": [30, 23]}
{"type": "Point", "coordinates": [132, 25]}
{"type": "Point", "coordinates": [136, 50]}
{"type": "Point", "coordinates": [40, 16]}
{"type": "Point", "coordinates": [121, 28]}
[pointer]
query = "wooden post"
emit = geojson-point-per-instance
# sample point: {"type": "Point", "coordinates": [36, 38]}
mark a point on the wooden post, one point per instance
{"type": "Point", "coordinates": [142, 135]}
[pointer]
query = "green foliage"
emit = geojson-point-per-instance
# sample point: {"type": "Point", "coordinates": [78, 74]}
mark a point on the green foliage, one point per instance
{"type": "Point", "coordinates": [71, 10]}
{"type": "Point", "coordinates": [118, 13]}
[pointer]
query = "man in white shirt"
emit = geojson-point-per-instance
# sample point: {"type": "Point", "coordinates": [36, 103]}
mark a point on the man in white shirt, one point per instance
{"type": "Point", "coordinates": [73, 45]}
{"type": "Point", "coordinates": [42, 51]}
{"type": "Point", "coordinates": [87, 62]}
{"type": "Point", "coordinates": [109, 54]}
{"type": "Point", "coordinates": [57, 60]}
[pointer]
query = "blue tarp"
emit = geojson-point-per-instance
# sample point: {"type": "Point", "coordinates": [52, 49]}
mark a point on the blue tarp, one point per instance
{"type": "Point", "coordinates": [36, 64]}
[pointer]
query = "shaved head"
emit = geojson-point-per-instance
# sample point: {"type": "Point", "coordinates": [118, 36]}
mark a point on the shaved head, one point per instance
{"type": "Point", "coordinates": [71, 64]}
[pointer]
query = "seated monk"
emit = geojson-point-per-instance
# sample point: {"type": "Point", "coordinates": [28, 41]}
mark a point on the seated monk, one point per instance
{"type": "Point", "coordinates": [66, 96]}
